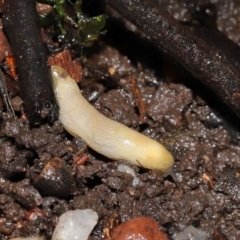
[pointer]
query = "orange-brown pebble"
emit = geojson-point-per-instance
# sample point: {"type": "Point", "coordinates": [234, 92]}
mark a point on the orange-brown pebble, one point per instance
{"type": "Point", "coordinates": [141, 228]}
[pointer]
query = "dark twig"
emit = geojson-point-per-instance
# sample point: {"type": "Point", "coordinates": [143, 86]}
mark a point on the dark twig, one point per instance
{"type": "Point", "coordinates": [20, 22]}
{"type": "Point", "coordinates": [4, 93]}
{"type": "Point", "coordinates": [203, 61]}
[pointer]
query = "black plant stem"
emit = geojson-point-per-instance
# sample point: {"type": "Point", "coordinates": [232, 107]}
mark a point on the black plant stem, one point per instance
{"type": "Point", "coordinates": [203, 61]}
{"type": "Point", "coordinates": [20, 22]}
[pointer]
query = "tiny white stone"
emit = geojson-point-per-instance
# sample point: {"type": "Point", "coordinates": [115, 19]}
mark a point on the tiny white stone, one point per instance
{"type": "Point", "coordinates": [75, 225]}
{"type": "Point", "coordinates": [129, 170]}
{"type": "Point", "coordinates": [190, 233]}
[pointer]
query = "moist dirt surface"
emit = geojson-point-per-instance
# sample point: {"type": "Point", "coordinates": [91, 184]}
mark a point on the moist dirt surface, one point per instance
{"type": "Point", "coordinates": [45, 172]}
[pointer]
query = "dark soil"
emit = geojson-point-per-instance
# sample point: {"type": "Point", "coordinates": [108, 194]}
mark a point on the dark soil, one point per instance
{"type": "Point", "coordinates": [41, 172]}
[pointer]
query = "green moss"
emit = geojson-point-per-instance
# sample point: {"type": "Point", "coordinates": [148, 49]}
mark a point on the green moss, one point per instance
{"type": "Point", "coordinates": [87, 29]}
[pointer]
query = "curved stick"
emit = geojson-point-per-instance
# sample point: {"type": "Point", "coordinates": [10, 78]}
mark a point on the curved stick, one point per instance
{"type": "Point", "coordinates": [203, 61]}
{"type": "Point", "coordinates": [20, 22]}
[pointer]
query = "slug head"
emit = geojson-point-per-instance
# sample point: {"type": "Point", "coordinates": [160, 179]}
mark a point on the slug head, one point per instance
{"type": "Point", "coordinates": [58, 74]}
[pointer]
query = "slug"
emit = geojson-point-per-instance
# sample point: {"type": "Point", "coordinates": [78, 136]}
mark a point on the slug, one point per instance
{"type": "Point", "coordinates": [105, 136]}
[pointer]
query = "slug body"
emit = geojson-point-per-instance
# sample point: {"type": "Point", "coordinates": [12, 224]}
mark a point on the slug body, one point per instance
{"type": "Point", "coordinates": [105, 136]}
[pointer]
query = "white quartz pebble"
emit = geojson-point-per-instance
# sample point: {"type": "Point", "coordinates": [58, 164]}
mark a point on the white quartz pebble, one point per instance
{"type": "Point", "coordinates": [77, 225]}
{"type": "Point", "coordinates": [190, 233]}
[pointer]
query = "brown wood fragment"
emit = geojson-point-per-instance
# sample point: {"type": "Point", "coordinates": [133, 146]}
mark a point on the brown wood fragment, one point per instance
{"type": "Point", "coordinates": [11, 65]}
{"type": "Point", "coordinates": [207, 179]}
{"type": "Point", "coordinates": [4, 44]}
{"type": "Point", "coordinates": [43, 8]}
{"type": "Point", "coordinates": [219, 235]}
{"type": "Point", "coordinates": [65, 61]}
{"type": "Point", "coordinates": [138, 98]}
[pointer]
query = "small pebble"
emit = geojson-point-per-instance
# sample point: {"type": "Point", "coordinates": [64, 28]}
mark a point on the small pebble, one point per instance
{"type": "Point", "coordinates": [55, 179]}
{"type": "Point", "coordinates": [141, 228]}
{"type": "Point", "coordinates": [77, 225]}
{"type": "Point", "coordinates": [190, 233]}
{"type": "Point", "coordinates": [17, 103]}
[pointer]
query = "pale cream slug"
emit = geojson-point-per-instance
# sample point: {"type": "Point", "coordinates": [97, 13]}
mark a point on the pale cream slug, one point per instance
{"type": "Point", "coordinates": [105, 136]}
